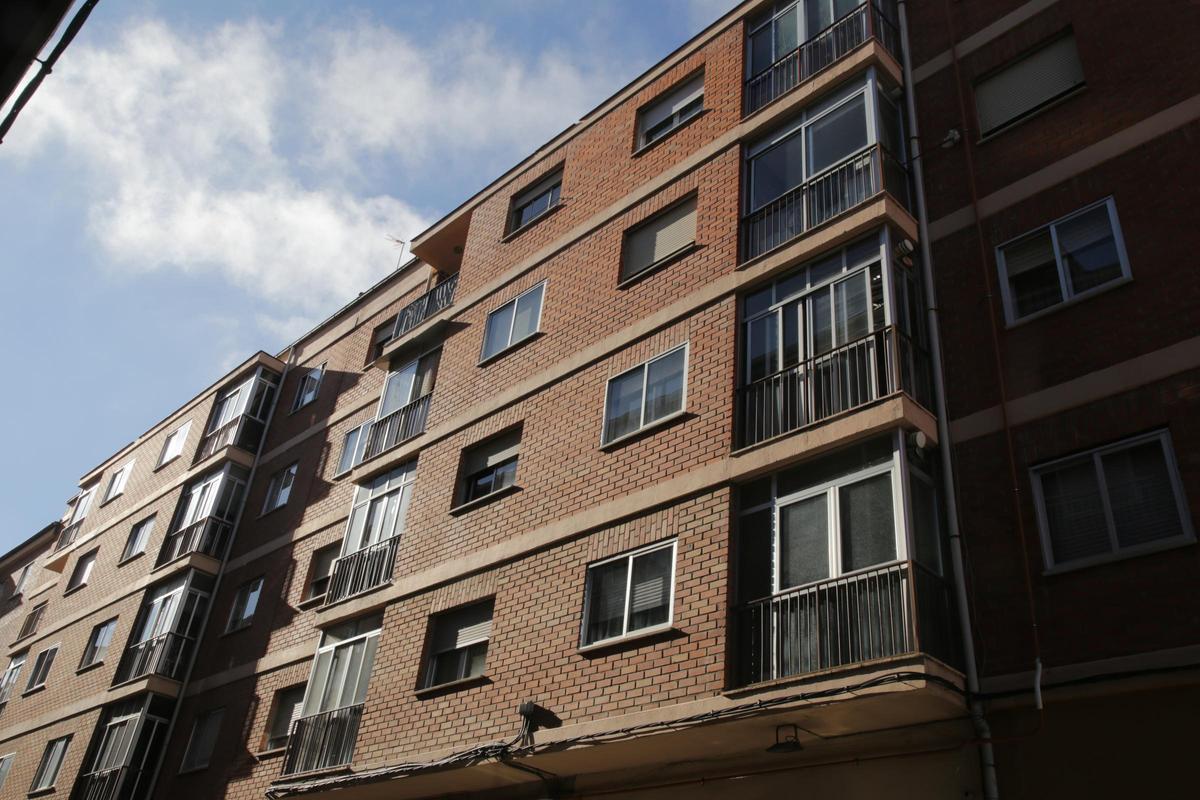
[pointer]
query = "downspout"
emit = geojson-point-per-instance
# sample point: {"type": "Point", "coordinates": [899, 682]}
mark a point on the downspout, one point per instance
{"type": "Point", "coordinates": [983, 732]}
{"type": "Point", "coordinates": [217, 583]}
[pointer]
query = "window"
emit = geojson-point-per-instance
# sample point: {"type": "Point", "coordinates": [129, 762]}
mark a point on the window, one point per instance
{"type": "Point", "coordinates": [645, 394]}
{"type": "Point", "coordinates": [21, 578]}
{"type": "Point", "coordinates": [139, 537]}
{"type": "Point", "coordinates": [32, 620]}
{"type": "Point", "coordinates": [11, 674]}
{"type": "Point", "coordinates": [310, 384]}
{"type": "Point", "coordinates": [513, 322]}
{"type": "Point", "coordinates": [245, 603]}
{"type": "Point", "coordinates": [353, 445]}
{"type": "Point", "coordinates": [116, 484]}
{"type": "Point", "coordinates": [1028, 85]}
{"type": "Point", "coordinates": [659, 239]}
{"type": "Point", "coordinates": [41, 668]}
{"type": "Point", "coordinates": [380, 508]}
{"type": "Point", "coordinates": [380, 338]}
{"type": "Point", "coordinates": [5, 766]}
{"type": "Point", "coordinates": [1120, 499]}
{"type": "Point", "coordinates": [629, 593]}
{"type": "Point", "coordinates": [83, 504]}
{"type": "Point", "coordinates": [535, 201]}
{"type": "Point", "coordinates": [288, 705]}
{"type": "Point", "coordinates": [173, 445]}
{"type": "Point", "coordinates": [787, 24]}
{"type": "Point", "coordinates": [200, 745]}
{"type": "Point", "coordinates": [280, 488]}
{"type": "Point", "coordinates": [343, 664]}
{"type": "Point", "coordinates": [52, 758]}
{"type": "Point", "coordinates": [459, 644]}
{"type": "Point", "coordinates": [490, 466]}
{"type": "Point", "coordinates": [666, 113]}
{"type": "Point", "coordinates": [404, 385]}
{"type": "Point", "coordinates": [98, 642]}
{"type": "Point", "coordinates": [1070, 258]}
{"type": "Point", "coordinates": [82, 571]}
{"type": "Point", "coordinates": [320, 570]}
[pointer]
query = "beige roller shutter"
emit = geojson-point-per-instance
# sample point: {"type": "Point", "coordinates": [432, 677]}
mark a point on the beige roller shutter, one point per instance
{"type": "Point", "coordinates": [659, 238]}
{"type": "Point", "coordinates": [1026, 84]}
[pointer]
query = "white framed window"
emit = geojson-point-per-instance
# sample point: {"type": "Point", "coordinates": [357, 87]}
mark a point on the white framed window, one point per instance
{"type": "Point", "coordinates": [11, 674]}
{"type": "Point", "coordinates": [1022, 88]}
{"type": "Point", "coordinates": [6, 763]}
{"type": "Point", "coordinates": [532, 203]}
{"type": "Point", "coordinates": [245, 603]}
{"type": "Point", "coordinates": [379, 509]}
{"type": "Point", "coordinates": [407, 382]}
{"type": "Point", "coordinates": [51, 763]}
{"type": "Point", "coordinates": [490, 466]}
{"type": "Point", "coordinates": [116, 484]}
{"type": "Point", "coordinates": [21, 578]}
{"type": "Point", "coordinates": [280, 488]}
{"type": "Point", "coordinates": [630, 593]}
{"type": "Point", "coordinates": [380, 338]}
{"type": "Point", "coordinates": [139, 537]}
{"type": "Point", "coordinates": [1113, 501]}
{"type": "Point", "coordinates": [342, 667]}
{"type": "Point", "coordinates": [459, 644]}
{"type": "Point", "coordinates": [666, 113]}
{"type": "Point", "coordinates": [309, 385]}
{"type": "Point", "coordinates": [288, 704]}
{"type": "Point", "coordinates": [205, 730]}
{"type": "Point", "coordinates": [320, 571]}
{"type": "Point", "coordinates": [354, 443]}
{"type": "Point", "coordinates": [650, 392]}
{"type": "Point", "coordinates": [83, 504]}
{"type": "Point", "coordinates": [657, 240]}
{"type": "Point", "coordinates": [32, 620]}
{"type": "Point", "coordinates": [82, 571]}
{"type": "Point", "coordinates": [173, 445]}
{"type": "Point", "coordinates": [41, 668]}
{"type": "Point", "coordinates": [98, 642]}
{"type": "Point", "coordinates": [1069, 259]}
{"type": "Point", "coordinates": [513, 322]}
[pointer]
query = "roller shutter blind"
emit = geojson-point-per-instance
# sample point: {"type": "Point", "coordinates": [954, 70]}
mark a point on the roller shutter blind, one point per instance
{"type": "Point", "coordinates": [1027, 84]}
{"type": "Point", "coordinates": [659, 238]}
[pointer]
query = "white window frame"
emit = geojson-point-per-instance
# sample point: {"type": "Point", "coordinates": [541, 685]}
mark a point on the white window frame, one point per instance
{"type": "Point", "coordinates": [313, 577]}
{"type": "Point", "coordinates": [12, 674]}
{"type": "Point", "coordinates": [1117, 553]}
{"type": "Point", "coordinates": [303, 395]}
{"type": "Point", "coordinates": [117, 481]}
{"type": "Point", "coordinates": [137, 541]}
{"type": "Point", "coordinates": [279, 490]}
{"type": "Point", "coordinates": [6, 762]}
{"type": "Point", "coordinates": [360, 447]}
{"type": "Point", "coordinates": [42, 778]}
{"type": "Point", "coordinates": [170, 450]}
{"type": "Point", "coordinates": [1069, 296]}
{"type": "Point", "coordinates": [671, 97]}
{"type": "Point", "coordinates": [241, 613]}
{"type": "Point", "coordinates": [83, 504]}
{"type": "Point", "coordinates": [628, 556]}
{"type": "Point", "coordinates": [88, 563]}
{"type": "Point", "coordinates": [93, 648]}
{"type": "Point", "coordinates": [50, 654]}
{"type": "Point", "coordinates": [464, 651]}
{"type": "Point", "coordinates": [645, 368]}
{"type": "Point", "coordinates": [22, 578]}
{"type": "Point", "coordinates": [40, 610]}
{"type": "Point", "coordinates": [349, 642]}
{"type": "Point", "coordinates": [484, 357]}
{"type": "Point", "coordinates": [187, 766]}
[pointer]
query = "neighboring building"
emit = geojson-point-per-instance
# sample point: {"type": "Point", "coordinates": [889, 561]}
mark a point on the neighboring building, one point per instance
{"type": "Point", "coordinates": [635, 481]}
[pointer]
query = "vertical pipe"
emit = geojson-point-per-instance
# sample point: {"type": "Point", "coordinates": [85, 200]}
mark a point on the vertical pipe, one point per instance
{"type": "Point", "coordinates": [987, 756]}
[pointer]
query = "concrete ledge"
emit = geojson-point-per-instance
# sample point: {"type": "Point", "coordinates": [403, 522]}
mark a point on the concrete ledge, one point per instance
{"type": "Point", "coordinates": [152, 683]}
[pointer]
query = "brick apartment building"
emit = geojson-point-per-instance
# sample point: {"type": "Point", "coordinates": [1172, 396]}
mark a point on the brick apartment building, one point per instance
{"type": "Point", "coordinates": [817, 416]}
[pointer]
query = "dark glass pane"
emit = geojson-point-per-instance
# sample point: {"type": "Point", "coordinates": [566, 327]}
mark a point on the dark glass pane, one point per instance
{"type": "Point", "coordinates": [763, 346]}
{"type": "Point", "coordinates": [755, 535]}
{"type": "Point", "coordinates": [664, 385]}
{"type": "Point", "coordinates": [624, 405]}
{"type": "Point", "coordinates": [827, 468]}
{"type": "Point", "coordinates": [499, 324]}
{"type": "Point", "coordinates": [1089, 250]}
{"type": "Point", "coordinates": [836, 135]}
{"type": "Point", "coordinates": [777, 171]}
{"type": "Point", "coordinates": [804, 542]}
{"type": "Point", "coordinates": [1075, 511]}
{"type": "Point", "coordinates": [1141, 495]}
{"type": "Point", "coordinates": [606, 600]}
{"type": "Point", "coordinates": [650, 589]}
{"type": "Point", "coordinates": [868, 527]}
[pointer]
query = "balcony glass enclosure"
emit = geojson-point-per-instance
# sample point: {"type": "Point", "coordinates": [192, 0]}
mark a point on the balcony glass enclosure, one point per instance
{"type": "Point", "coordinates": [203, 521]}
{"type": "Point", "coordinates": [166, 629]}
{"type": "Point", "coordinates": [239, 415]}
{"type": "Point", "coordinates": [832, 335]}
{"type": "Point", "coordinates": [840, 560]}
{"type": "Point", "coordinates": [124, 750]}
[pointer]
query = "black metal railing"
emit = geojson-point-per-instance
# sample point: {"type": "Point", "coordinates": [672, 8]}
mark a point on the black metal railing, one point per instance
{"type": "Point", "coordinates": [216, 439]}
{"type": "Point", "coordinates": [399, 426]}
{"type": "Point", "coordinates": [108, 784]}
{"type": "Point", "coordinates": [859, 372]}
{"type": "Point", "coordinates": [828, 46]}
{"type": "Point", "coordinates": [322, 741]}
{"type": "Point", "coordinates": [209, 536]}
{"type": "Point", "coordinates": [425, 306]}
{"type": "Point", "coordinates": [362, 571]}
{"type": "Point", "coordinates": [164, 655]}
{"type": "Point", "coordinates": [872, 614]}
{"type": "Point", "coordinates": [838, 189]}
{"type": "Point", "coordinates": [68, 535]}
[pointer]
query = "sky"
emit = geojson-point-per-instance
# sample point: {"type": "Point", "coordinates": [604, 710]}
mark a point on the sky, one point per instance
{"type": "Point", "coordinates": [198, 181]}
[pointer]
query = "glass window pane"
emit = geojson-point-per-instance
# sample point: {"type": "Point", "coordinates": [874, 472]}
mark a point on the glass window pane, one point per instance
{"type": "Point", "coordinates": [820, 16]}
{"type": "Point", "coordinates": [528, 307]}
{"type": "Point", "coordinates": [850, 305]}
{"type": "Point", "coordinates": [787, 32]}
{"type": "Point", "coordinates": [925, 524]}
{"type": "Point", "coordinates": [804, 542]}
{"type": "Point", "coordinates": [822, 323]}
{"type": "Point", "coordinates": [650, 591]}
{"type": "Point", "coordinates": [836, 135]}
{"type": "Point", "coordinates": [755, 534]}
{"type": "Point", "coordinates": [664, 385]}
{"type": "Point", "coordinates": [624, 405]}
{"type": "Point", "coordinates": [776, 171]}
{"type": "Point", "coordinates": [1032, 274]}
{"type": "Point", "coordinates": [762, 346]}
{"type": "Point", "coordinates": [499, 322]}
{"type": "Point", "coordinates": [761, 53]}
{"type": "Point", "coordinates": [1089, 250]}
{"type": "Point", "coordinates": [868, 527]}
{"type": "Point", "coordinates": [1074, 511]}
{"type": "Point", "coordinates": [398, 389]}
{"type": "Point", "coordinates": [606, 600]}
{"type": "Point", "coordinates": [1141, 494]}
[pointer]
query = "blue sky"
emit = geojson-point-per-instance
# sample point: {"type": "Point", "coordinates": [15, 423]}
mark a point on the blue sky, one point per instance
{"type": "Point", "coordinates": [197, 181]}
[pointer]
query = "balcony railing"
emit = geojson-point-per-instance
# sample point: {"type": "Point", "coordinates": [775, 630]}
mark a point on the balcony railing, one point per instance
{"type": "Point", "coordinates": [425, 306]}
{"type": "Point", "coordinates": [68, 535]}
{"type": "Point", "coordinates": [821, 51]}
{"type": "Point", "coordinates": [117, 783]}
{"type": "Point", "coordinates": [164, 655]}
{"type": "Point", "coordinates": [216, 439]}
{"type": "Point", "coordinates": [874, 366]}
{"type": "Point", "coordinates": [882, 612]}
{"type": "Point", "coordinates": [399, 426]}
{"type": "Point", "coordinates": [209, 536]}
{"type": "Point", "coordinates": [322, 740]}
{"type": "Point", "coordinates": [362, 571]}
{"type": "Point", "coordinates": [838, 189]}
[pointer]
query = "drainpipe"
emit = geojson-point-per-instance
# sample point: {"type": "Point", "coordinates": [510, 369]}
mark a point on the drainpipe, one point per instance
{"type": "Point", "coordinates": [983, 732]}
{"type": "Point", "coordinates": [217, 583]}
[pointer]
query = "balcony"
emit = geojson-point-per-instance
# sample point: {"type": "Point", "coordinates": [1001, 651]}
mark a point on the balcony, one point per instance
{"type": "Point", "coordinates": [217, 439]}
{"type": "Point", "coordinates": [879, 613]}
{"type": "Point", "coordinates": [425, 306]}
{"type": "Point", "coordinates": [882, 363]}
{"type": "Point", "coordinates": [67, 536]}
{"type": "Point", "coordinates": [835, 191]}
{"type": "Point", "coordinates": [109, 784]}
{"type": "Point", "coordinates": [397, 427]}
{"type": "Point", "coordinates": [322, 741]}
{"type": "Point", "coordinates": [820, 52]}
{"type": "Point", "coordinates": [362, 571]}
{"type": "Point", "coordinates": [208, 536]}
{"type": "Point", "coordinates": [165, 655]}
